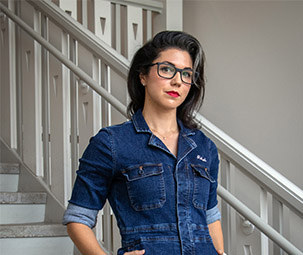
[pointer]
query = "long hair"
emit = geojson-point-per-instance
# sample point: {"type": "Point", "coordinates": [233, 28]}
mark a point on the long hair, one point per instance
{"type": "Point", "coordinates": [148, 53]}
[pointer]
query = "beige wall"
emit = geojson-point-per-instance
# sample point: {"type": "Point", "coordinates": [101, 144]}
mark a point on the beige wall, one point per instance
{"type": "Point", "coordinates": [254, 93]}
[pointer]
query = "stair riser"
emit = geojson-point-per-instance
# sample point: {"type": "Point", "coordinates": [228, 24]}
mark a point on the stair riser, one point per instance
{"type": "Point", "coordinates": [36, 246]}
{"type": "Point", "coordinates": [9, 182]}
{"type": "Point", "coordinates": [9, 168]}
{"type": "Point", "coordinates": [22, 198]}
{"type": "Point", "coordinates": [16, 214]}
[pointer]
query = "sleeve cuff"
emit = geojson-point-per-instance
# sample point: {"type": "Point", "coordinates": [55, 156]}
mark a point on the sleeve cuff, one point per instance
{"type": "Point", "coordinates": [213, 215]}
{"type": "Point", "coordinates": [75, 213]}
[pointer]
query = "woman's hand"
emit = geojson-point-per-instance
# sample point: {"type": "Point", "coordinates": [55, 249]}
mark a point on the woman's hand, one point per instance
{"type": "Point", "coordinates": [136, 252]}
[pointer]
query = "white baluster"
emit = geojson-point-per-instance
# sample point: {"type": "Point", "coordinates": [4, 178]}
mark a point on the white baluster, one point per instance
{"type": "Point", "coordinates": [103, 22]}
{"type": "Point", "coordinates": [264, 216]}
{"type": "Point", "coordinates": [84, 13]}
{"type": "Point", "coordinates": [31, 97]}
{"type": "Point", "coordinates": [277, 210]}
{"type": "Point", "coordinates": [134, 30]}
{"type": "Point", "coordinates": [228, 215]}
{"type": "Point", "coordinates": [149, 25]}
{"type": "Point", "coordinates": [118, 27]}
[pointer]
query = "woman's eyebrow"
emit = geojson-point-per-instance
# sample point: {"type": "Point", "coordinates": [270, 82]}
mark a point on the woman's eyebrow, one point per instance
{"type": "Point", "coordinates": [175, 65]}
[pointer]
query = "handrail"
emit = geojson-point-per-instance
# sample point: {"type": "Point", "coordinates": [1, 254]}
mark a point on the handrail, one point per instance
{"type": "Point", "coordinates": [84, 36]}
{"type": "Point", "coordinates": [226, 195]}
{"type": "Point", "coordinates": [273, 181]}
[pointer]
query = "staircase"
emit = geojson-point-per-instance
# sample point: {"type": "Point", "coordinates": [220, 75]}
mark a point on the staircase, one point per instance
{"type": "Point", "coordinates": [22, 220]}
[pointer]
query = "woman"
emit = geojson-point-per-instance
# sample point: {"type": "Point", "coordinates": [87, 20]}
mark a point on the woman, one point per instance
{"type": "Point", "coordinates": [158, 171]}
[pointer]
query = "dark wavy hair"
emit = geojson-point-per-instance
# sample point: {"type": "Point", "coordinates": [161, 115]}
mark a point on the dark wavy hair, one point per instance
{"type": "Point", "coordinates": [148, 53]}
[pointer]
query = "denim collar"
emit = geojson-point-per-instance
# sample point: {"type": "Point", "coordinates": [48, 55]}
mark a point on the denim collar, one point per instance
{"type": "Point", "coordinates": [142, 127]}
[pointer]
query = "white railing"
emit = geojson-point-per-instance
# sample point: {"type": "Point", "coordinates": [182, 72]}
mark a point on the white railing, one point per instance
{"type": "Point", "coordinates": [233, 156]}
{"type": "Point", "coordinates": [277, 195]}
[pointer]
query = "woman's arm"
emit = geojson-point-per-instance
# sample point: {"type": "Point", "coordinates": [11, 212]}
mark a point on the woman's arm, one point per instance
{"type": "Point", "coordinates": [84, 238]}
{"type": "Point", "coordinates": [215, 231]}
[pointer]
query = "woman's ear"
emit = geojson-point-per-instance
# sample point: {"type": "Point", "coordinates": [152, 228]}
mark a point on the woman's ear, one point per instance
{"type": "Point", "coordinates": [142, 79]}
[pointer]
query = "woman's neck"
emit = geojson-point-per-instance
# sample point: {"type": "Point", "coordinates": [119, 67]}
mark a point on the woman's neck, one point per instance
{"type": "Point", "coordinates": [161, 121]}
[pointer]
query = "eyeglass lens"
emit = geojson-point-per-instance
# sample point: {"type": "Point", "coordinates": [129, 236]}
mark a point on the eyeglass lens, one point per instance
{"type": "Point", "coordinates": [168, 71]}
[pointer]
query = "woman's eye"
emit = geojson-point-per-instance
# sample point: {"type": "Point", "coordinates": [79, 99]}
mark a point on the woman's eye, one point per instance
{"type": "Point", "coordinates": [167, 69]}
{"type": "Point", "coordinates": [187, 74]}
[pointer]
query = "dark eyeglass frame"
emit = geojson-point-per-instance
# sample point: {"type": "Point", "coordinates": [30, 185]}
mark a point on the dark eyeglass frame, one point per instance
{"type": "Point", "coordinates": [194, 75]}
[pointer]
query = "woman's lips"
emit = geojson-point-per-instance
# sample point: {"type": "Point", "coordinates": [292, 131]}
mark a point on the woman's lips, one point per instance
{"type": "Point", "coordinates": [173, 93]}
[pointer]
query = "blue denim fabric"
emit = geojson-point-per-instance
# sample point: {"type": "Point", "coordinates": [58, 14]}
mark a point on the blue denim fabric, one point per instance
{"type": "Point", "coordinates": [88, 217]}
{"type": "Point", "coordinates": [160, 201]}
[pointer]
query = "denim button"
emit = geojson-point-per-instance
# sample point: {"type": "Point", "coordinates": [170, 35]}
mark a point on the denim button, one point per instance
{"type": "Point", "coordinates": [141, 171]}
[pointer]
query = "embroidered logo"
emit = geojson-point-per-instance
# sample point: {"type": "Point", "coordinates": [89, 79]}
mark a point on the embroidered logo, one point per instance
{"type": "Point", "coordinates": [201, 158]}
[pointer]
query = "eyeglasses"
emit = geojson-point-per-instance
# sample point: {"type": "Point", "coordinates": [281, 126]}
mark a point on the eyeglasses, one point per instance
{"type": "Point", "coordinates": [168, 71]}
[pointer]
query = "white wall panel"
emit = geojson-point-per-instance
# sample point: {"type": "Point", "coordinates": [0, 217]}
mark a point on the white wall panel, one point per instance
{"type": "Point", "coordinates": [254, 81]}
{"type": "Point", "coordinates": [134, 30]}
{"type": "Point", "coordinates": [103, 20]}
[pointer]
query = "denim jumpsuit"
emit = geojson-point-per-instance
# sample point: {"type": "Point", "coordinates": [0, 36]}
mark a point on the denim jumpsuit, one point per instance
{"type": "Point", "coordinates": [160, 201]}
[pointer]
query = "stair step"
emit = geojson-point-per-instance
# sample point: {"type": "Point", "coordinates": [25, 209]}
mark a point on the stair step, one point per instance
{"type": "Point", "coordinates": [22, 213]}
{"type": "Point", "coordinates": [9, 177]}
{"type": "Point", "coordinates": [32, 230]}
{"type": "Point", "coordinates": [37, 246]}
{"type": "Point", "coordinates": [22, 198]}
{"type": "Point", "coordinates": [9, 168]}
{"type": "Point", "coordinates": [9, 182]}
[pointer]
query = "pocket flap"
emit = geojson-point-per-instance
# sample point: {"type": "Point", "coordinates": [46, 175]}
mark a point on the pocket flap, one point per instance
{"type": "Point", "coordinates": [203, 171]}
{"type": "Point", "coordinates": [141, 171]}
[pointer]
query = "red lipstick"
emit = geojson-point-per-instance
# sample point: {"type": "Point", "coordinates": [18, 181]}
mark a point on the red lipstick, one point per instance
{"type": "Point", "coordinates": [173, 93]}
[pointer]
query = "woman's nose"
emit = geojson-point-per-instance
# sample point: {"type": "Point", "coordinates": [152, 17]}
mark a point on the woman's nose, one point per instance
{"type": "Point", "coordinates": [176, 80]}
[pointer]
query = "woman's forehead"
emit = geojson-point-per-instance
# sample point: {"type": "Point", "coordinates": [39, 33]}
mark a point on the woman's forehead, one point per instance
{"type": "Point", "coordinates": [180, 58]}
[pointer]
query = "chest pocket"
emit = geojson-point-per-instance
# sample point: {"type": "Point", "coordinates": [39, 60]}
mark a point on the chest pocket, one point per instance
{"type": "Point", "coordinates": [145, 186]}
{"type": "Point", "coordinates": [202, 182]}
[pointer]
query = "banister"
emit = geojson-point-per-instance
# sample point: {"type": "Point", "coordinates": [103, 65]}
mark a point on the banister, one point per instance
{"type": "Point", "coordinates": [232, 200]}
{"type": "Point", "coordinates": [263, 174]}
{"type": "Point", "coordinates": [81, 74]}
{"type": "Point", "coordinates": [84, 36]}
{"type": "Point", "coordinates": [258, 222]}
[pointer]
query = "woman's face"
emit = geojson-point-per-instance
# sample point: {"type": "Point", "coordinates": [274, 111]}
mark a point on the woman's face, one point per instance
{"type": "Point", "coordinates": [162, 93]}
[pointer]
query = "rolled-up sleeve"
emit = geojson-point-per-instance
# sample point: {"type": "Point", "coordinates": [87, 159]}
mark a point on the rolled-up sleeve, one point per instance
{"type": "Point", "coordinates": [78, 214]}
{"type": "Point", "coordinates": [213, 215]}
